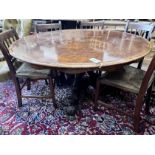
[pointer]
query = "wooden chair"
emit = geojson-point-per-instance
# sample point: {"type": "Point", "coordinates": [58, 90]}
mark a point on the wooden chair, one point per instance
{"type": "Point", "coordinates": [48, 27]}
{"type": "Point", "coordinates": [92, 25]}
{"type": "Point", "coordinates": [118, 25]}
{"type": "Point", "coordinates": [25, 70]}
{"type": "Point", "coordinates": [141, 29]}
{"type": "Point", "coordinates": [132, 80]}
{"type": "Point", "coordinates": [153, 93]}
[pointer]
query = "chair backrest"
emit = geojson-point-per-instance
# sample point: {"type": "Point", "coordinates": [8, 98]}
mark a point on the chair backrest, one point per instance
{"type": "Point", "coordinates": [141, 29]}
{"type": "Point", "coordinates": [92, 25]}
{"type": "Point", "coordinates": [118, 25]}
{"type": "Point", "coordinates": [48, 27]}
{"type": "Point", "coordinates": [147, 81]}
{"type": "Point", "coordinates": [6, 39]}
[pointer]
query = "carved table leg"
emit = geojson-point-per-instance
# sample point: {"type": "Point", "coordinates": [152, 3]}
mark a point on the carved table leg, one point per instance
{"type": "Point", "coordinates": [73, 108]}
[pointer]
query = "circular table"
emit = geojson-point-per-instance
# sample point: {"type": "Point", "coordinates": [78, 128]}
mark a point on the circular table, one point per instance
{"type": "Point", "coordinates": [78, 51]}
{"type": "Point", "coordinates": [72, 50]}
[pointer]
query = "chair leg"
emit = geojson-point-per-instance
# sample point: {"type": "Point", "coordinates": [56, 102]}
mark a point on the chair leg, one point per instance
{"type": "Point", "coordinates": [18, 91]}
{"type": "Point", "coordinates": [96, 95]}
{"type": "Point", "coordinates": [136, 117]}
{"type": "Point", "coordinates": [148, 97]}
{"type": "Point", "coordinates": [51, 86]}
{"type": "Point", "coordinates": [140, 63]}
{"type": "Point", "coordinates": [28, 84]}
{"type": "Point", "coordinates": [136, 123]}
{"type": "Point", "coordinates": [46, 82]}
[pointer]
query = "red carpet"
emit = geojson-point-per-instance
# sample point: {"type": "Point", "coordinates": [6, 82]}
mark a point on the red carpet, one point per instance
{"type": "Point", "coordinates": [40, 117]}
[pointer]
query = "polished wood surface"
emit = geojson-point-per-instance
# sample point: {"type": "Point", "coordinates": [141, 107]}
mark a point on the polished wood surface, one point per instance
{"type": "Point", "coordinates": [72, 49]}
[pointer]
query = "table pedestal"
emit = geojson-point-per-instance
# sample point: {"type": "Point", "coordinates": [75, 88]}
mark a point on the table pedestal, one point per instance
{"type": "Point", "coordinates": [82, 89]}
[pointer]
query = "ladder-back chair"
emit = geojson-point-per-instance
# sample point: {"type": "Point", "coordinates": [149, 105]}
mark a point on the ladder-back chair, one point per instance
{"type": "Point", "coordinates": [141, 29]}
{"type": "Point", "coordinates": [25, 70]}
{"type": "Point", "coordinates": [92, 25]}
{"type": "Point", "coordinates": [48, 27]}
{"type": "Point", "coordinates": [132, 80]}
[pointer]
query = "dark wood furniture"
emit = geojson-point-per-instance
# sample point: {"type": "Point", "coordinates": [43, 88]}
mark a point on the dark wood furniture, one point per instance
{"type": "Point", "coordinates": [48, 27]}
{"type": "Point", "coordinates": [133, 80]}
{"type": "Point", "coordinates": [153, 93]}
{"type": "Point", "coordinates": [70, 51]}
{"type": "Point", "coordinates": [141, 29]}
{"type": "Point", "coordinates": [25, 70]}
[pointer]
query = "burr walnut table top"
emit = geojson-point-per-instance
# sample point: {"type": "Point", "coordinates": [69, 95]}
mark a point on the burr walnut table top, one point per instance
{"type": "Point", "coordinates": [73, 49]}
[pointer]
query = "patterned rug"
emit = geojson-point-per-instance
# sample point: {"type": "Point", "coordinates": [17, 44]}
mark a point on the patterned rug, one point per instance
{"type": "Point", "coordinates": [39, 117]}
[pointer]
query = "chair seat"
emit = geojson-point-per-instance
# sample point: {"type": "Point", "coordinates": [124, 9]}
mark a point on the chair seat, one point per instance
{"type": "Point", "coordinates": [26, 70]}
{"type": "Point", "coordinates": [128, 79]}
